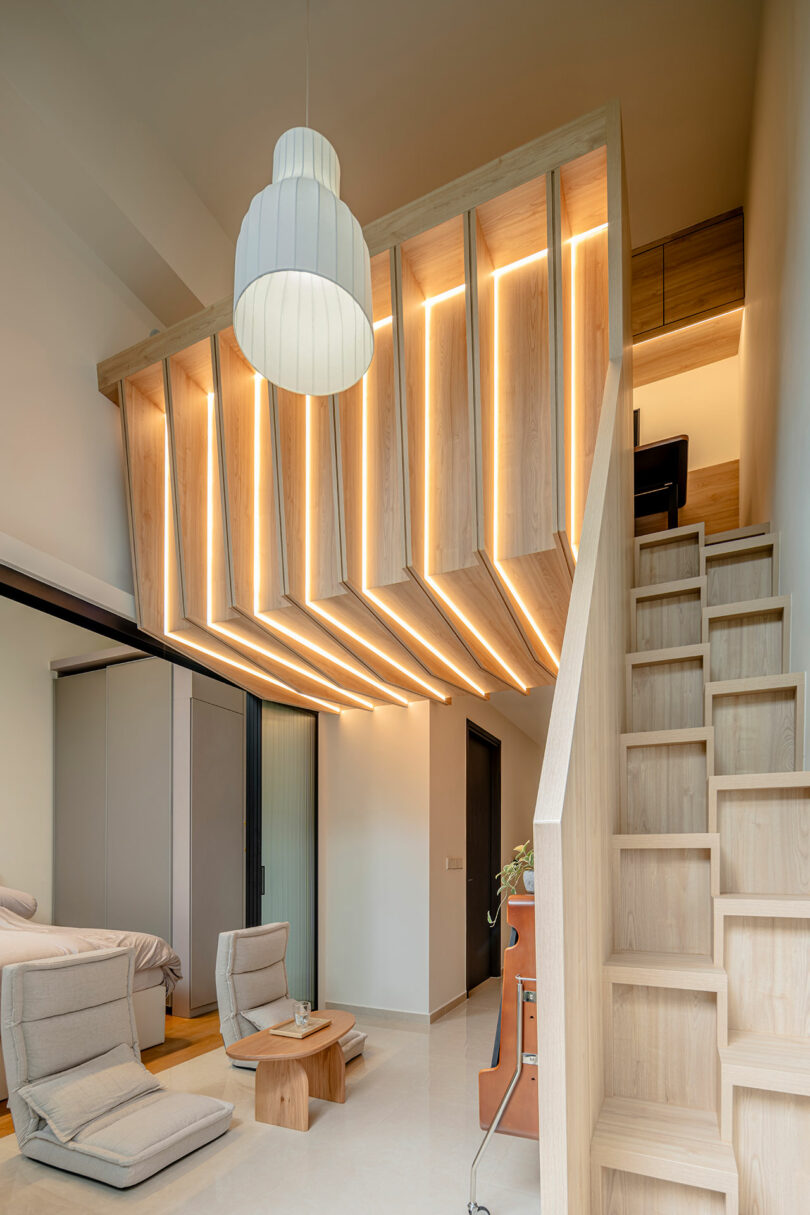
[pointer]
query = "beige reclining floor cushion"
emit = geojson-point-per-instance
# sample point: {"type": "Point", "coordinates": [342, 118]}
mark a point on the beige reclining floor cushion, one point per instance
{"type": "Point", "coordinates": [252, 990]}
{"type": "Point", "coordinates": [80, 1098]}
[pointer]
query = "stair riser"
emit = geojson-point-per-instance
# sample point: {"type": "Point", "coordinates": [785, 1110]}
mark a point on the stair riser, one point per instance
{"type": "Point", "coordinates": [665, 695]}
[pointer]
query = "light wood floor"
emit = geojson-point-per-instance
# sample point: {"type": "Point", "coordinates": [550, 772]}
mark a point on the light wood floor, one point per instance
{"type": "Point", "coordinates": [185, 1039]}
{"type": "Point", "coordinates": [712, 497]}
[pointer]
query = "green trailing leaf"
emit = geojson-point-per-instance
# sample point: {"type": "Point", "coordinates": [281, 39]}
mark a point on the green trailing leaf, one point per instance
{"type": "Point", "coordinates": [510, 875]}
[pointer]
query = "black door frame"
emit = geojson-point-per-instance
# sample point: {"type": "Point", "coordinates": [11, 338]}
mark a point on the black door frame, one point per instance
{"type": "Point", "coordinates": [25, 589]}
{"type": "Point", "coordinates": [254, 870]}
{"type": "Point", "coordinates": [476, 731]}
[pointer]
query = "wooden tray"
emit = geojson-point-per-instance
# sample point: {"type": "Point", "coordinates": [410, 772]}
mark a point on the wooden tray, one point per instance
{"type": "Point", "coordinates": [288, 1029]}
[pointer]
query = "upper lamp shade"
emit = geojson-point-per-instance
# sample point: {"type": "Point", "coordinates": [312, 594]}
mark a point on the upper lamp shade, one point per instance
{"type": "Point", "coordinates": [302, 281]}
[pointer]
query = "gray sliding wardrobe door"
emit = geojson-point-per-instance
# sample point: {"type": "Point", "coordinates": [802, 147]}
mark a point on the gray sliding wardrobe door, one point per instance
{"type": "Point", "coordinates": [80, 797]}
{"type": "Point", "coordinates": [139, 797]}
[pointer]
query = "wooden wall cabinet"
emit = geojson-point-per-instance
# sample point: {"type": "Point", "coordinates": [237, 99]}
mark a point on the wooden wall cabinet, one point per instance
{"type": "Point", "coordinates": [691, 275]}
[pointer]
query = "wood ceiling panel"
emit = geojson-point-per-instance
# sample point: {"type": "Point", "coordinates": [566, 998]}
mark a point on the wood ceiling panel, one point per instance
{"type": "Point", "coordinates": [405, 539]}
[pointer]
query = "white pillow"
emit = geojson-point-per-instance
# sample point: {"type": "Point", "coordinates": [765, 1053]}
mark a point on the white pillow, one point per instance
{"type": "Point", "coordinates": [18, 901]}
{"type": "Point", "coordinates": [73, 1098]}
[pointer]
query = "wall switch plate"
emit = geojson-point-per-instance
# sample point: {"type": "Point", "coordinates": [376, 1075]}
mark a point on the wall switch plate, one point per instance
{"type": "Point", "coordinates": [453, 862]}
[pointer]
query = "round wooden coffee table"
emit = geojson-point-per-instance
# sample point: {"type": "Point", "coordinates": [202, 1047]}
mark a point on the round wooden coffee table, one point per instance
{"type": "Point", "coordinates": [291, 1070]}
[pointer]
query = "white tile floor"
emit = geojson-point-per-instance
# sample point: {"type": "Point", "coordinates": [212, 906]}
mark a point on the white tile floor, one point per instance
{"type": "Point", "coordinates": [402, 1143]}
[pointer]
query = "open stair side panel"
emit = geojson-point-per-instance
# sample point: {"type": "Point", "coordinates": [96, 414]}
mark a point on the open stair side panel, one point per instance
{"type": "Point", "coordinates": [578, 801]}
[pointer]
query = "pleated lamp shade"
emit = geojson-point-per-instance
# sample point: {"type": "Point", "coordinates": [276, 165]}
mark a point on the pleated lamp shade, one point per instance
{"type": "Point", "coordinates": [302, 281]}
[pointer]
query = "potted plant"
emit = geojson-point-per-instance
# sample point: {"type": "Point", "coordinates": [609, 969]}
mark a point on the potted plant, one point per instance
{"type": "Point", "coordinates": [522, 865]}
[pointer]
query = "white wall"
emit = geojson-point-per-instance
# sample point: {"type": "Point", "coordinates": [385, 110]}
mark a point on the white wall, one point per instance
{"type": "Point", "coordinates": [705, 403]}
{"type": "Point", "coordinates": [28, 641]}
{"type": "Point", "coordinates": [373, 812]}
{"type": "Point", "coordinates": [521, 760]}
{"type": "Point", "coordinates": [392, 806]}
{"type": "Point", "coordinates": [775, 350]}
{"type": "Point", "coordinates": [61, 311]}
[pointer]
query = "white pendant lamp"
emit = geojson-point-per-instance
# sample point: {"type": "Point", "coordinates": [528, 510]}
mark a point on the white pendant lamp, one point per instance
{"type": "Point", "coordinates": [302, 282]}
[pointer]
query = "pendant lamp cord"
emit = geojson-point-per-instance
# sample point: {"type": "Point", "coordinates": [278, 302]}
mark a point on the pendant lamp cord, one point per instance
{"type": "Point", "coordinates": [306, 107]}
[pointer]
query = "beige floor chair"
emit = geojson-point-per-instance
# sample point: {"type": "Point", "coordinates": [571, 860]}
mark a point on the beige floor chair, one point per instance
{"type": "Point", "coordinates": [252, 990]}
{"type": "Point", "coordinates": [80, 1098]}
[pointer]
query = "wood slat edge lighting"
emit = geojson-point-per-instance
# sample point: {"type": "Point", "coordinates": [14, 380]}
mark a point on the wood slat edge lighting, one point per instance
{"type": "Point", "coordinates": [287, 545]}
{"type": "Point", "coordinates": [478, 186]}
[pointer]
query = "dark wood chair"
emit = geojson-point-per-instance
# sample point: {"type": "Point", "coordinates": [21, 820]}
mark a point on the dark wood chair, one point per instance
{"type": "Point", "coordinates": [660, 477]}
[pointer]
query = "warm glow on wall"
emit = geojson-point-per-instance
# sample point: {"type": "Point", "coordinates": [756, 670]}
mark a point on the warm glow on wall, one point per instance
{"type": "Point", "coordinates": [429, 688]}
{"type": "Point", "coordinates": [512, 677]}
{"type": "Point", "coordinates": [496, 423]}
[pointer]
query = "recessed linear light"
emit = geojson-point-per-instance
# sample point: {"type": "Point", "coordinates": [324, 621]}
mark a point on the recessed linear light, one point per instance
{"type": "Point", "coordinates": [575, 242]}
{"type": "Point", "coordinates": [222, 629]}
{"type": "Point", "coordinates": [380, 603]}
{"type": "Point", "coordinates": [446, 599]}
{"type": "Point", "coordinates": [186, 642]}
{"type": "Point", "coordinates": [522, 262]}
{"type": "Point", "coordinates": [429, 688]}
{"type": "Point", "coordinates": [381, 690]}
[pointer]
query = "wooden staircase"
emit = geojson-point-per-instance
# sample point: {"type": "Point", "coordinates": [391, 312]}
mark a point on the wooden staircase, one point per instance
{"type": "Point", "coordinates": [707, 992]}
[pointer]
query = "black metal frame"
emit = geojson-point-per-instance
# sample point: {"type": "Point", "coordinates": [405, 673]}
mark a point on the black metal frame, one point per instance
{"type": "Point", "coordinates": [55, 602]}
{"type": "Point", "coordinates": [494, 837]}
{"type": "Point", "coordinates": [254, 870]}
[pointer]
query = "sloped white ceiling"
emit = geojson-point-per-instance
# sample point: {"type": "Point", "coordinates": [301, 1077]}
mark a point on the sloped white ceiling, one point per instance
{"type": "Point", "coordinates": [164, 115]}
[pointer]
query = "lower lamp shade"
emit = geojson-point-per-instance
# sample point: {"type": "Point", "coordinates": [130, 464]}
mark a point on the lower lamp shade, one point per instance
{"type": "Point", "coordinates": [302, 281]}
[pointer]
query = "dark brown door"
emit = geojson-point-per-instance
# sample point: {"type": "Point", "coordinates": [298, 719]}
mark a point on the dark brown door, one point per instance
{"type": "Point", "coordinates": [483, 853]}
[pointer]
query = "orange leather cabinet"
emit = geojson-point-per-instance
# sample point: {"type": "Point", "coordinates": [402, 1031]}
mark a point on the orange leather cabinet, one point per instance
{"type": "Point", "coordinates": [521, 1115]}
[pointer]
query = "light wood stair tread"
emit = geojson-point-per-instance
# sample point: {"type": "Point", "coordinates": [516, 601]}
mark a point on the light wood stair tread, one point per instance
{"type": "Point", "coordinates": [761, 780]}
{"type": "Point", "coordinates": [768, 1052]}
{"type": "Point", "coordinates": [655, 738]}
{"type": "Point", "coordinates": [677, 839]}
{"type": "Point", "coordinates": [737, 533]}
{"type": "Point", "coordinates": [747, 607]}
{"type": "Point", "coordinates": [754, 683]}
{"type": "Point", "coordinates": [664, 1141]}
{"type": "Point", "coordinates": [668, 534]}
{"type": "Point", "coordinates": [742, 546]}
{"type": "Point", "coordinates": [675, 653]}
{"type": "Point", "coordinates": [778, 906]}
{"type": "Point", "coordinates": [683, 971]}
{"type": "Point", "coordinates": [654, 590]}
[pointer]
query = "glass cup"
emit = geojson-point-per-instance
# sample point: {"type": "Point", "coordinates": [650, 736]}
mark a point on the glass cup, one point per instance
{"type": "Point", "coordinates": [302, 1011]}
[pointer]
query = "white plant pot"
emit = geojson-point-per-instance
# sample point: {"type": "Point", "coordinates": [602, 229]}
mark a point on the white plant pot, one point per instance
{"type": "Point", "coordinates": [528, 881]}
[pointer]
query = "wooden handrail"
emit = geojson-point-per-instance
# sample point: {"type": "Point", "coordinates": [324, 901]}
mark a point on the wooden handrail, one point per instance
{"type": "Point", "coordinates": [577, 813]}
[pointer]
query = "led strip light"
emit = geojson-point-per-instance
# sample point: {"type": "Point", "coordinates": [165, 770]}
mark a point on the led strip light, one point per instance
{"type": "Point", "coordinates": [431, 689]}
{"type": "Point", "coordinates": [177, 638]}
{"type": "Point", "coordinates": [430, 304]}
{"type": "Point", "coordinates": [496, 480]}
{"type": "Point", "coordinates": [380, 689]}
{"type": "Point", "coordinates": [314, 676]}
{"type": "Point", "coordinates": [375, 599]}
{"type": "Point", "coordinates": [574, 242]}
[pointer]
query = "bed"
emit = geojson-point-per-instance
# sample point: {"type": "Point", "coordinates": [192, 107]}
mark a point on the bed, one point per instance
{"type": "Point", "coordinates": [157, 966]}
